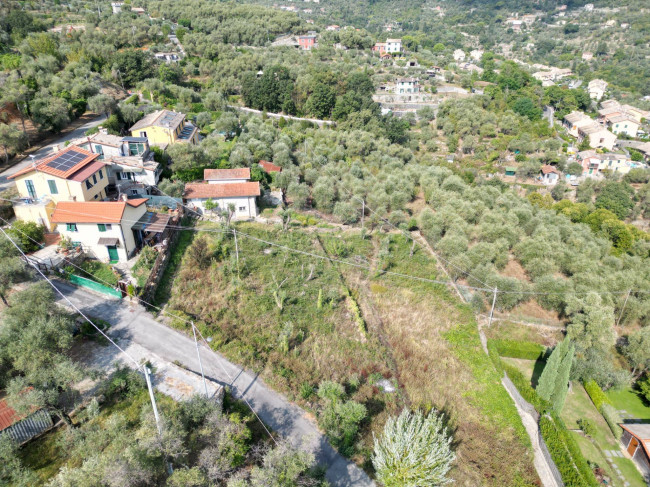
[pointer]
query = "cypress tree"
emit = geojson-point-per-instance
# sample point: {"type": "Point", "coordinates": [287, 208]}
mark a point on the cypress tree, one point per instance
{"type": "Point", "coordinates": [548, 379]}
{"type": "Point", "coordinates": [562, 381]}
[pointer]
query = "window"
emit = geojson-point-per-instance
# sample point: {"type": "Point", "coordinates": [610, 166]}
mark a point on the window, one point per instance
{"type": "Point", "coordinates": [101, 174]}
{"type": "Point", "coordinates": [101, 227]}
{"type": "Point", "coordinates": [88, 184]}
{"type": "Point", "coordinates": [100, 150]}
{"type": "Point", "coordinates": [52, 184]}
{"type": "Point", "coordinates": [71, 227]}
{"type": "Point", "coordinates": [134, 192]}
{"type": "Point", "coordinates": [242, 208]}
{"type": "Point", "coordinates": [96, 196]}
{"type": "Point", "coordinates": [143, 134]}
{"type": "Point", "coordinates": [135, 149]}
{"type": "Point", "coordinates": [30, 188]}
{"type": "Point", "coordinates": [108, 226]}
{"type": "Point", "coordinates": [94, 179]}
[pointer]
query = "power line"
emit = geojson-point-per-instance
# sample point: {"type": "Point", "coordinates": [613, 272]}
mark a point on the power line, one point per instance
{"type": "Point", "coordinates": [171, 315]}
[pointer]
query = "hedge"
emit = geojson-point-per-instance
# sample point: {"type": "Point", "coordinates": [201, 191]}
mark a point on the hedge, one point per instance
{"type": "Point", "coordinates": [517, 349]}
{"type": "Point", "coordinates": [525, 389]}
{"type": "Point", "coordinates": [598, 397]}
{"type": "Point", "coordinates": [566, 454]}
{"type": "Point", "coordinates": [613, 419]}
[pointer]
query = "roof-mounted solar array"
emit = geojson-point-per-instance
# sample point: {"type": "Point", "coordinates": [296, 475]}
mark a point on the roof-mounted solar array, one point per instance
{"type": "Point", "coordinates": [66, 161]}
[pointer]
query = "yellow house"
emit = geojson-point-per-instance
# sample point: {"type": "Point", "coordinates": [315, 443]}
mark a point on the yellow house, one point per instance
{"type": "Point", "coordinates": [73, 174]}
{"type": "Point", "coordinates": [165, 127]}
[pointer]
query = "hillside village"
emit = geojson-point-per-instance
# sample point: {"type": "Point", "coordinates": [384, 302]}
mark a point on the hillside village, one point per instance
{"type": "Point", "coordinates": [234, 235]}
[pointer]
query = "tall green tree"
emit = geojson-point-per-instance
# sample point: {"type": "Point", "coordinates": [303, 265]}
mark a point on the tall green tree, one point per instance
{"type": "Point", "coordinates": [548, 379]}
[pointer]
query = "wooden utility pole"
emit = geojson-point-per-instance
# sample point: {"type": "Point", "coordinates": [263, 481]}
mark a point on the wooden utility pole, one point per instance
{"type": "Point", "coordinates": [623, 308]}
{"type": "Point", "coordinates": [234, 231]}
{"type": "Point", "coordinates": [198, 354]}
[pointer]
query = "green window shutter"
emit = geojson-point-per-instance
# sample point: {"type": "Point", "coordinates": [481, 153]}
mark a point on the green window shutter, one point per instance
{"type": "Point", "coordinates": [71, 227]}
{"type": "Point", "coordinates": [101, 227]}
{"type": "Point", "coordinates": [52, 184]}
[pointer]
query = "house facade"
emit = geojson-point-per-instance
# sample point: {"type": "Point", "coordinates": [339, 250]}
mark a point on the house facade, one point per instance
{"type": "Point", "coordinates": [72, 174]}
{"type": "Point", "coordinates": [623, 124]}
{"type": "Point", "coordinates": [597, 88]}
{"type": "Point", "coordinates": [636, 441]}
{"type": "Point", "coordinates": [393, 46]}
{"type": "Point", "coordinates": [164, 128]}
{"type": "Point", "coordinates": [130, 162]}
{"type": "Point", "coordinates": [407, 85]}
{"type": "Point", "coordinates": [593, 164]}
{"type": "Point", "coordinates": [241, 195]}
{"type": "Point", "coordinates": [549, 175]}
{"type": "Point", "coordinates": [104, 228]}
{"type": "Point", "coordinates": [582, 126]}
{"type": "Point", "coordinates": [307, 42]}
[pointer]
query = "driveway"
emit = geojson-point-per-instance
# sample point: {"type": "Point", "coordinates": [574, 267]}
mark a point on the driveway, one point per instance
{"type": "Point", "coordinates": [46, 150]}
{"type": "Point", "coordinates": [133, 325]}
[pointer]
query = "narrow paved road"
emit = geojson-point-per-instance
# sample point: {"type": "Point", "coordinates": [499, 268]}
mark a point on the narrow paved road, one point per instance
{"type": "Point", "coordinates": [46, 150]}
{"type": "Point", "coordinates": [132, 324]}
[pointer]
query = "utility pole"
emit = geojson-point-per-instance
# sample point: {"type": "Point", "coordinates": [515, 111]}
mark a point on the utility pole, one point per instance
{"type": "Point", "coordinates": [623, 308]}
{"type": "Point", "coordinates": [363, 210]}
{"type": "Point", "coordinates": [152, 397]}
{"type": "Point", "coordinates": [196, 342]}
{"type": "Point", "coordinates": [494, 301]}
{"type": "Point", "coordinates": [234, 232]}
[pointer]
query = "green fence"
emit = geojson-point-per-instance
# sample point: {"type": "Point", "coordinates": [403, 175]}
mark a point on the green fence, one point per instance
{"type": "Point", "coordinates": [95, 286]}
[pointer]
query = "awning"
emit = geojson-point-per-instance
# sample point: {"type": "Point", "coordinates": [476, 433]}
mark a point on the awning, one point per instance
{"type": "Point", "coordinates": [152, 222]}
{"type": "Point", "coordinates": [108, 241]}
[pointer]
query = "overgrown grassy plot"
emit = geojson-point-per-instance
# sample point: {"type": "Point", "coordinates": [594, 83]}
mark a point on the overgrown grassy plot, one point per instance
{"type": "Point", "coordinates": [286, 316]}
{"type": "Point", "coordinates": [295, 319]}
{"type": "Point", "coordinates": [435, 345]}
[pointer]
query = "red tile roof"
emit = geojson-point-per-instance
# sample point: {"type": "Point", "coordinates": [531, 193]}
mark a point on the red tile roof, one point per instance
{"type": "Point", "coordinates": [546, 169]}
{"type": "Point", "coordinates": [92, 211]}
{"type": "Point", "coordinates": [43, 165]}
{"type": "Point", "coordinates": [270, 167]}
{"type": "Point", "coordinates": [237, 173]}
{"type": "Point", "coordinates": [87, 171]}
{"type": "Point", "coordinates": [228, 190]}
{"type": "Point", "coordinates": [7, 415]}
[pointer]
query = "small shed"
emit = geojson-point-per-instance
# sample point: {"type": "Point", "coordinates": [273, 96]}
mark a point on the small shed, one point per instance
{"type": "Point", "coordinates": [511, 170]}
{"type": "Point", "coordinates": [636, 440]}
{"type": "Point", "coordinates": [23, 429]}
{"type": "Point", "coordinates": [549, 174]}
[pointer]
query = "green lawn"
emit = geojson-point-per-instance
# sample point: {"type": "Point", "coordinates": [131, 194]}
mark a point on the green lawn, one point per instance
{"type": "Point", "coordinates": [103, 273]}
{"type": "Point", "coordinates": [579, 406]}
{"type": "Point", "coordinates": [628, 400]}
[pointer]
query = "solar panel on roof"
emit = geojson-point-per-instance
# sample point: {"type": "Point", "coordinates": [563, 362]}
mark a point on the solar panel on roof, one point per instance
{"type": "Point", "coordinates": [66, 161]}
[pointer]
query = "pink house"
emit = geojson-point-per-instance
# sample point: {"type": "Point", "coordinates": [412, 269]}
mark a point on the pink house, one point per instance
{"type": "Point", "coordinates": [307, 42]}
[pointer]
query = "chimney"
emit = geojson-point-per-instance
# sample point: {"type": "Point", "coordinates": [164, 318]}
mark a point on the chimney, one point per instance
{"type": "Point", "coordinates": [124, 197]}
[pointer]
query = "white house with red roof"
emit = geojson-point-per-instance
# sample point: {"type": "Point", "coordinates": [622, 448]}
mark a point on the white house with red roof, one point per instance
{"type": "Point", "coordinates": [242, 195]}
{"type": "Point", "coordinates": [107, 229]}
{"type": "Point", "coordinates": [549, 175]}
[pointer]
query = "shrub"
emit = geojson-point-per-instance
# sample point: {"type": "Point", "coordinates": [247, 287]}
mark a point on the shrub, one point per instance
{"type": "Point", "coordinates": [413, 450]}
{"type": "Point", "coordinates": [27, 234]}
{"type": "Point", "coordinates": [587, 427]}
{"type": "Point", "coordinates": [566, 454]}
{"type": "Point", "coordinates": [598, 397]}
{"type": "Point", "coordinates": [613, 419]}
{"type": "Point", "coordinates": [522, 384]}
{"type": "Point", "coordinates": [517, 349]}
{"type": "Point", "coordinates": [644, 387]}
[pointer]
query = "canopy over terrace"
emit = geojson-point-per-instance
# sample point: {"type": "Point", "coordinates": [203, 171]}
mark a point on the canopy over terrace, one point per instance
{"type": "Point", "coordinates": [150, 228]}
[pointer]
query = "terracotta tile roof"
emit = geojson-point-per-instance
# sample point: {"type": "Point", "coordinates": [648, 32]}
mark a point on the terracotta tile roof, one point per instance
{"type": "Point", "coordinates": [87, 171]}
{"type": "Point", "coordinates": [7, 415]}
{"type": "Point", "coordinates": [92, 211]}
{"type": "Point", "coordinates": [237, 173]}
{"type": "Point", "coordinates": [229, 190]}
{"type": "Point", "coordinates": [85, 157]}
{"type": "Point", "coordinates": [269, 166]}
{"type": "Point", "coordinates": [546, 169]}
{"type": "Point", "coordinates": [162, 118]}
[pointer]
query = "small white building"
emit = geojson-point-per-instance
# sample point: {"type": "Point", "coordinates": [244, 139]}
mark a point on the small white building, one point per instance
{"type": "Point", "coordinates": [226, 176]}
{"type": "Point", "coordinates": [623, 124]}
{"type": "Point", "coordinates": [459, 55]}
{"type": "Point", "coordinates": [407, 85]}
{"type": "Point", "coordinates": [241, 195]}
{"type": "Point", "coordinates": [393, 46]}
{"type": "Point", "coordinates": [117, 7]}
{"type": "Point", "coordinates": [102, 228]}
{"type": "Point", "coordinates": [476, 54]}
{"type": "Point", "coordinates": [597, 89]}
{"type": "Point", "coordinates": [549, 175]}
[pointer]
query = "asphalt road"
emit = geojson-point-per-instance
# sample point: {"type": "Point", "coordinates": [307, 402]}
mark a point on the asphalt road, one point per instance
{"type": "Point", "coordinates": [46, 150]}
{"type": "Point", "coordinates": [132, 324]}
